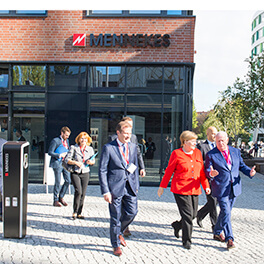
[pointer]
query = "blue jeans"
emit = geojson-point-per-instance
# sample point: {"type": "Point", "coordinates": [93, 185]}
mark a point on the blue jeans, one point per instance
{"type": "Point", "coordinates": [57, 193]}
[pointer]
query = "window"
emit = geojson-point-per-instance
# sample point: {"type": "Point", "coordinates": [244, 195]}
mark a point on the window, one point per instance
{"type": "Point", "coordinates": [144, 12]}
{"type": "Point", "coordinates": [175, 12]}
{"type": "Point", "coordinates": [173, 79]}
{"type": "Point", "coordinates": [138, 13]}
{"type": "Point", "coordinates": [23, 13]}
{"type": "Point", "coordinates": [107, 76]}
{"type": "Point", "coordinates": [104, 12]}
{"type": "Point", "coordinates": [149, 78]}
{"type": "Point", "coordinates": [29, 76]}
{"type": "Point", "coordinates": [67, 78]}
{"type": "Point", "coordinates": [3, 76]}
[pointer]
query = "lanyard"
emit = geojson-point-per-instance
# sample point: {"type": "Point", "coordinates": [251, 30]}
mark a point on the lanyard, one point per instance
{"type": "Point", "coordinates": [123, 154]}
{"type": "Point", "coordinates": [64, 143]}
{"type": "Point", "coordinates": [83, 153]}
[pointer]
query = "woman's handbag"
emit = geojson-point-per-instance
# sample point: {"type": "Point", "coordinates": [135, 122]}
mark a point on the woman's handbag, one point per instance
{"type": "Point", "coordinates": [68, 167]}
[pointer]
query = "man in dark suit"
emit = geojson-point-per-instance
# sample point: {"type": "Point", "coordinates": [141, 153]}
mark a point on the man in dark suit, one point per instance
{"type": "Point", "coordinates": [118, 176]}
{"type": "Point", "coordinates": [56, 164]}
{"type": "Point", "coordinates": [141, 164]}
{"type": "Point", "coordinates": [223, 164]}
{"type": "Point", "coordinates": [210, 206]}
{"type": "Point", "coordinates": [19, 135]}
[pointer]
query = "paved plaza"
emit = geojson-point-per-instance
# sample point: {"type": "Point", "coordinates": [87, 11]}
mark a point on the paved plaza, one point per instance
{"type": "Point", "coordinates": [52, 237]}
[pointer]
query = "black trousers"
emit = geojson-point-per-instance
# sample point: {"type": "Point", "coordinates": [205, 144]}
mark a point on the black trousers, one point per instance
{"type": "Point", "coordinates": [188, 205]}
{"type": "Point", "coordinates": [80, 183]}
{"type": "Point", "coordinates": [209, 208]}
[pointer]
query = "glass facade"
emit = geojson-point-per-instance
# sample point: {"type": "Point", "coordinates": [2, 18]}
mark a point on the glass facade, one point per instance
{"type": "Point", "coordinates": [40, 99]}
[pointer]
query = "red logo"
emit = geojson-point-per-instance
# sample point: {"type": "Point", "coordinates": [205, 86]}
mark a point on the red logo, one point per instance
{"type": "Point", "coordinates": [78, 40]}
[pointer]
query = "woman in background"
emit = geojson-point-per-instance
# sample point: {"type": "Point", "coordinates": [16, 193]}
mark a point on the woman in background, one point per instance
{"type": "Point", "coordinates": [80, 155]}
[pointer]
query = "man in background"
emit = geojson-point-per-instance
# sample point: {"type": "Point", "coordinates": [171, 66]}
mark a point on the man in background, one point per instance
{"type": "Point", "coordinates": [210, 206]}
{"type": "Point", "coordinates": [19, 135]}
{"type": "Point", "coordinates": [56, 164]}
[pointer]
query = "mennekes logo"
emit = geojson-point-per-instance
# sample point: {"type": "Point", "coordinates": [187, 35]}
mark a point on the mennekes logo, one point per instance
{"type": "Point", "coordinates": [79, 40]}
{"type": "Point", "coordinates": [123, 40]}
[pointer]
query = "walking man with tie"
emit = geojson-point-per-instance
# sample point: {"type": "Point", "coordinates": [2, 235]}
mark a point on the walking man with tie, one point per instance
{"type": "Point", "coordinates": [210, 206]}
{"type": "Point", "coordinates": [118, 176]}
{"type": "Point", "coordinates": [223, 164]}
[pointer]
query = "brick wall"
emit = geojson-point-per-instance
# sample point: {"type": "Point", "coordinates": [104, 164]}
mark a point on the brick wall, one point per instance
{"type": "Point", "coordinates": [50, 38]}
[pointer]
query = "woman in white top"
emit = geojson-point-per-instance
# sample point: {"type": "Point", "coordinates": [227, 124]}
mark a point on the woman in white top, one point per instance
{"type": "Point", "coordinates": [80, 155]}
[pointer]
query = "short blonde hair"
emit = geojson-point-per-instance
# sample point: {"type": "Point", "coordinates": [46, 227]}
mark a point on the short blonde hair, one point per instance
{"type": "Point", "coordinates": [83, 134]}
{"type": "Point", "coordinates": [187, 135]}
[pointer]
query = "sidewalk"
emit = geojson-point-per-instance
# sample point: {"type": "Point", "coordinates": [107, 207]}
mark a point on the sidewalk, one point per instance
{"type": "Point", "coordinates": [52, 237]}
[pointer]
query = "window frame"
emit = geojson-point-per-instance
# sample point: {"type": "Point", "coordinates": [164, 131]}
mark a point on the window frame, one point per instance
{"type": "Point", "coordinates": [14, 13]}
{"type": "Point", "coordinates": [126, 13]}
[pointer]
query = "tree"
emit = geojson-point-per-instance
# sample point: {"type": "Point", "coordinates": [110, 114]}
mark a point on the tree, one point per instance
{"type": "Point", "coordinates": [211, 120]}
{"type": "Point", "coordinates": [252, 92]}
{"type": "Point", "coordinates": [231, 111]}
{"type": "Point", "coordinates": [194, 117]}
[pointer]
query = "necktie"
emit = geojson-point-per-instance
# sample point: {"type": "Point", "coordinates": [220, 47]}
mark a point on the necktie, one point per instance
{"type": "Point", "coordinates": [125, 153]}
{"type": "Point", "coordinates": [124, 148]}
{"type": "Point", "coordinates": [226, 156]}
{"type": "Point", "coordinates": [64, 143]}
{"type": "Point", "coordinates": [212, 145]}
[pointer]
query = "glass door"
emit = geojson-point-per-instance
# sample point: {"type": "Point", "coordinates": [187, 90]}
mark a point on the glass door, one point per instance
{"type": "Point", "coordinates": [28, 118]}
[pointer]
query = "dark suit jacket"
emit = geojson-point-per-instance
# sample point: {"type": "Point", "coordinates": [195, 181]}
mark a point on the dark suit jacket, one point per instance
{"type": "Point", "coordinates": [134, 140]}
{"type": "Point", "coordinates": [55, 161]}
{"type": "Point", "coordinates": [221, 184]}
{"type": "Point", "coordinates": [204, 148]}
{"type": "Point", "coordinates": [112, 170]}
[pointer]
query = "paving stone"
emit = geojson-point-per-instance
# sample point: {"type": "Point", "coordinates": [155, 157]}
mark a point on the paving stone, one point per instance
{"type": "Point", "coordinates": [52, 237]}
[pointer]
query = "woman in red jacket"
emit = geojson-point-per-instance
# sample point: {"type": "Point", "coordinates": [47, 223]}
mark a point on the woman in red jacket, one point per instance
{"type": "Point", "coordinates": [186, 166]}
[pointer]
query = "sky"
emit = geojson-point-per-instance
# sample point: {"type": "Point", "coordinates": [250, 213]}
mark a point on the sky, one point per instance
{"type": "Point", "coordinates": [222, 43]}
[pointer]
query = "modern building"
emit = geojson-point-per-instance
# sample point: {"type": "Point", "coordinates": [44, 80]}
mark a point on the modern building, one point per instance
{"type": "Point", "coordinates": [257, 36]}
{"type": "Point", "coordinates": [257, 46]}
{"type": "Point", "coordinates": [88, 69]}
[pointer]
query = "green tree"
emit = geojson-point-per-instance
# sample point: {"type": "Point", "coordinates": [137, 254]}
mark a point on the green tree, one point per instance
{"type": "Point", "coordinates": [231, 111]}
{"type": "Point", "coordinates": [194, 117]}
{"type": "Point", "coordinates": [252, 92]}
{"type": "Point", "coordinates": [211, 120]}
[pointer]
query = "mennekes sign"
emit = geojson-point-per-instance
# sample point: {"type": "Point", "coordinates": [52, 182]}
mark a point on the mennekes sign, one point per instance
{"type": "Point", "coordinates": [122, 40]}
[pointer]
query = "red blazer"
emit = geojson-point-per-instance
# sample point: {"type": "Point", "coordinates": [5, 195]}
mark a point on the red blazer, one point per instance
{"type": "Point", "coordinates": [188, 173]}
